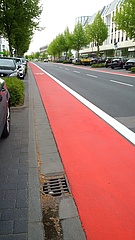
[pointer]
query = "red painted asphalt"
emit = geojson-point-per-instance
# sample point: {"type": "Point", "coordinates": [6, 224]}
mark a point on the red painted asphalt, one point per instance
{"type": "Point", "coordinates": [99, 163]}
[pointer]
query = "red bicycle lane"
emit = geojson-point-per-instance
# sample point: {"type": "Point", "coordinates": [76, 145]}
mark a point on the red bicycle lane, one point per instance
{"type": "Point", "coordinates": [99, 163]}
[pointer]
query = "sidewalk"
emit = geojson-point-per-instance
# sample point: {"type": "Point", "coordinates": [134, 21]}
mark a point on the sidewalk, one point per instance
{"type": "Point", "coordinates": [29, 146]}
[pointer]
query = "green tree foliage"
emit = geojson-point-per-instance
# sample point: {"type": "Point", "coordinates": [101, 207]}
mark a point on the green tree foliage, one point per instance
{"type": "Point", "coordinates": [88, 31]}
{"type": "Point", "coordinates": [67, 41]}
{"type": "Point", "coordinates": [125, 17]}
{"type": "Point", "coordinates": [60, 42]}
{"type": "Point", "coordinates": [97, 31]}
{"type": "Point", "coordinates": [52, 49]}
{"type": "Point", "coordinates": [78, 38]}
{"type": "Point", "coordinates": [18, 20]}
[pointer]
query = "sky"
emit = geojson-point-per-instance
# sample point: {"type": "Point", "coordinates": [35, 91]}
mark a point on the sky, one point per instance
{"type": "Point", "coordinates": [59, 14]}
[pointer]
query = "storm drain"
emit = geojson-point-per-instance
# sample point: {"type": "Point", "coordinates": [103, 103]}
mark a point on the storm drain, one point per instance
{"type": "Point", "coordinates": [55, 186]}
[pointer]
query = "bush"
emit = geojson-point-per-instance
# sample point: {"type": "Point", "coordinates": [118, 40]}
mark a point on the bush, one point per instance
{"type": "Point", "coordinates": [77, 63]}
{"type": "Point", "coordinates": [133, 69]}
{"type": "Point", "coordinates": [98, 65]}
{"type": "Point", "coordinates": [66, 61]}
{"type": "Point", "coordinates": [16, 89]}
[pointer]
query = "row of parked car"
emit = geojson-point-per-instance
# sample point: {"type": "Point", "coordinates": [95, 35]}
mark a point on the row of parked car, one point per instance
{"type": "Point", "coordinates": [9, 67]}
{"type": "Point", "coordinates": [13, 67]}
{"type": "Point", "coordinates": [113, 62]}
{"type": "Point", "coordinates": [120, 62]}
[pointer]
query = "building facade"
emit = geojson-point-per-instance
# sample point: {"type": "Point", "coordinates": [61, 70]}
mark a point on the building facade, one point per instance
{"type": "Point", "coordinates": [3, 46]}
{"type": "Point", "coordinates": [123, 47]}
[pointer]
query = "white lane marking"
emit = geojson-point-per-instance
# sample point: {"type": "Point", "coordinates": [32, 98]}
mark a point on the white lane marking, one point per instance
{"type": "Point", "coordinates": [60, 67]}
{"type": "Point", "coordinates": [67, 69]}
{"type": "Point", "coordinates": [119, 127]}
{"type": "Point", "coordinates": [126, 84]}
{"type": "Point", "coordinates": [76, 71]}
{"type": "Point", "coordinates": [91, 75]}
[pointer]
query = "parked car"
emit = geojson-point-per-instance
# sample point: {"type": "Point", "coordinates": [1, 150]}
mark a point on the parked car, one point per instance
{"type": "Point", "coordinates": [24, 60]}
{"type": "Point", "coordinates": [118, 62]}
{"type": "Point", "coordinates": [130, 63]}
{"type": "Point", "coordinates": [93, 61]}
{"type": "Point", "coordinates": [8, 67]}
{"type": "Point", "coordinates": [75, 60]}
{"type": "Point", "coordinates": [4, 110]}
{"type": "Point", "coordinates": [108, 62]}
{"type": "Point", "coordinates": [46, 60]}
{"type": "Point", "coordinates": [21, 68]}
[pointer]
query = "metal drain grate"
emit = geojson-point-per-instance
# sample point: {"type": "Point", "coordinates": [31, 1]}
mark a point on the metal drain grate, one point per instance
{"type": "Point", "coordinates": [56, 186]}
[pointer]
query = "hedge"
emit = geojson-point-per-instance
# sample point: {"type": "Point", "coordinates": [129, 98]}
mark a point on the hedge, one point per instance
{"type": "Point", "coordinates": [133, 69]}
{"type": "Point", "coordinates": [16, 89]}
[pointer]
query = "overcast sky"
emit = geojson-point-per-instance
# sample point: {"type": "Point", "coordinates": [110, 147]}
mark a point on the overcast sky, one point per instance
{"type": "Point", "coordinates": [59, 14]}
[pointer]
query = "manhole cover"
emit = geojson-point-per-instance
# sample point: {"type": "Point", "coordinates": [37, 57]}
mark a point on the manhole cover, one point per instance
{"type": "Point", "coordinates": [56, 186]}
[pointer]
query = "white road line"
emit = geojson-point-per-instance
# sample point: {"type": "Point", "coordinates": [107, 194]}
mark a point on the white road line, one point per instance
{"type": "Point", "coordinates": [76, 71]}
{"type": "Point", "coordinates": [67, 69]}
{"type": "Point", "coordinates": [60, 67]}
{"type": "Point", "coordinates": [119, 127]}
{"type": "Point", "coordinates": [91, 75]}
{"type": "Point", "coordinates": [126, 84]}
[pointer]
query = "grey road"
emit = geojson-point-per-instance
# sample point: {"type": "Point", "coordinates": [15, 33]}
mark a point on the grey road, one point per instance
{"type": "Point", "coordinates": [113, 91]}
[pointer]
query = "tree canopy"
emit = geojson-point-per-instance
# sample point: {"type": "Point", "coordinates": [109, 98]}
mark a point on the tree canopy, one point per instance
{"type": "Point", "coordinates": [18, 20]}
{"type": "Point", "coordinates": [78, 37]}
{"type": "Point", "coordinates": [97, 32]}
{"type": "Point", "coordinates": [125, 17]}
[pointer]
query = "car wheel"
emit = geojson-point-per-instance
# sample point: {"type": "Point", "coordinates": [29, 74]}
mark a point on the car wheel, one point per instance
{"type": "Point", "coordinates": [112, 67]}
{"type": "Point", "coordinates": [6, 129]}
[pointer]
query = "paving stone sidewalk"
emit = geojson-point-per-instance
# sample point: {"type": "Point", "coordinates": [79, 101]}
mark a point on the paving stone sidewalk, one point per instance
{"type": "Point", "coordinates": [19, 184]}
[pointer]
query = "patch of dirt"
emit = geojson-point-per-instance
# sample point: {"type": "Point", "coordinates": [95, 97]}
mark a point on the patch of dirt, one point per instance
{"type": "Point", "coordinates": [52, 224]}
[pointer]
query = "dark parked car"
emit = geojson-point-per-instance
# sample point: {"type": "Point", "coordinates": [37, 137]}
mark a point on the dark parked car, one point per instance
{"type": "Point", "coordinates": [4, 110]}
{"type": "Point", "coordinates": [108, 62]}
{"type": "Point", "coordinates": [130, 63]}
{"type": "Point", "coordinates": [8, 67]}
{"type": "Point", "coordinates": [118, 62]}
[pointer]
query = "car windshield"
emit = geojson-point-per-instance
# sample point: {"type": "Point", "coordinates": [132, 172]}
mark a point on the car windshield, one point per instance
{"type": "Point", "coordinates": [7, 64]}
{"type": "Point", "coordinates": [17, 61]}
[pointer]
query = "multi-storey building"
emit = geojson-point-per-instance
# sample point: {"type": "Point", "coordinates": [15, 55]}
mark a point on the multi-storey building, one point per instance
{"type": "Point", "coordinates": [3, 46]}
{"type": "Point", "coordinates": [124, 46]}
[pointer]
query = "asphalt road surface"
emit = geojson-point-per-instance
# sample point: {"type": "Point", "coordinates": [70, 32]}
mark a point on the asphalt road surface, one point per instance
{"type": "Point", "coordinates": [113, 91]}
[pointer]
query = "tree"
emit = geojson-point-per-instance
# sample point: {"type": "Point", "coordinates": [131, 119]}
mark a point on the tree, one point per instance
{"type": "Point", "coordinates": [60, 42]}
{"type": "Point", "coordinates": [78, 38]}
{"type": "Point", "coordinates": [19, 18]}
{"type": "Point", "coordinates": [52, 49]}
{"type": "Point", "coordinates": [125, 18]}
{"type": "Point", "coordinates": [68, 41]}
{"type": "Point", "coordinates": [98, 31]}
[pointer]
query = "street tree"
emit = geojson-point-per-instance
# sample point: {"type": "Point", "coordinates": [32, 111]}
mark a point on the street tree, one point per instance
{"type": "Point", "coordinates": [60, 44]}
{"type": "Point", "coordinates": [98, 31]}
{"type": "Point", "coordinates": [78, 38]}
{"type": "Point", "coordinates": [18, 18]}
{"type": "Point", "coordinates": [67, 41]}
{"type": "Point", "coordinates": [52, 49]}
{"type": "Point", "coordinates": [125, 17]}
